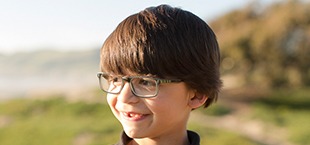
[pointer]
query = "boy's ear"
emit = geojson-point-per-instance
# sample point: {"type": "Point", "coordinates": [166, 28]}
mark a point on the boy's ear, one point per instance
{"type": "Point", "coordinates": [197, 100]}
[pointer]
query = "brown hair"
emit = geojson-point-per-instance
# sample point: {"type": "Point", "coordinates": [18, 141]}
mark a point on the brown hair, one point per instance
{"type": "Point", "coordinates": [166, 42]}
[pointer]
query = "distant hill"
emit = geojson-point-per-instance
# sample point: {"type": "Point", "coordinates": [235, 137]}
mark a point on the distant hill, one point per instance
{"type": "Point", "coordinates": [49, 62]}
{"type": "Point", "coordinates": [47, 71]}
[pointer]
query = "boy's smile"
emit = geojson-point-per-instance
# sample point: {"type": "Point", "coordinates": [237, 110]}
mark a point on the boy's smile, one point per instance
{"type": "Point", "coordinates": [155, 117]}
{"type": "Point", "coordinates": [132, 116]}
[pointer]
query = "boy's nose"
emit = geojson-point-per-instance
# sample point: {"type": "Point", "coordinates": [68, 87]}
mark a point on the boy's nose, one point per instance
{"type": "Point", "coordinates": [126, 95]}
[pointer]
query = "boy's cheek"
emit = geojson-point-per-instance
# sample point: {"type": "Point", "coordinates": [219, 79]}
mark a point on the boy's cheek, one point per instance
{"type": "Point", "coordinates": [111, 99]}
{"type": "Point", "coordinates": [112, 103]}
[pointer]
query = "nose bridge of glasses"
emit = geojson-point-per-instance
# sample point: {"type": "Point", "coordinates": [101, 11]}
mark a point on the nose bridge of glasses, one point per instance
{"type": "Point", "coordinates": [129, 84]}
{"type": "Point", "coordinates": [127, 89]}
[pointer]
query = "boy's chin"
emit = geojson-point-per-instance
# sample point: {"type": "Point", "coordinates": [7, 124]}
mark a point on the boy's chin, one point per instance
{"type": "Point", "coordinates": [134, 133]}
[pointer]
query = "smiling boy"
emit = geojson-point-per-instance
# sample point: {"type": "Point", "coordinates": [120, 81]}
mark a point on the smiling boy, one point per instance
{"type": "Point", "coordinates": [157, 66]}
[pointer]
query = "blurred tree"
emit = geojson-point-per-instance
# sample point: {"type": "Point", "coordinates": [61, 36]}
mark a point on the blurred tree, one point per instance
{"type": "Point", "coordinates": [267, 46]}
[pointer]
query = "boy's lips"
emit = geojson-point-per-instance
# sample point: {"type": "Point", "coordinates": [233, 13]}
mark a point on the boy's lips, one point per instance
{"type": "Point", "coordinates": [132, 116]}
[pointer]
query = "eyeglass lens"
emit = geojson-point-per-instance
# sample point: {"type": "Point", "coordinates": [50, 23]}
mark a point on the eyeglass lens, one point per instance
{"type": "Point", "coordinates": [144, 86]}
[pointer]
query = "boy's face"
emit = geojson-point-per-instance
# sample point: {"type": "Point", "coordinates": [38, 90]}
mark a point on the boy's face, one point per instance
{"type": "Point", "coordinates": [164, 115]}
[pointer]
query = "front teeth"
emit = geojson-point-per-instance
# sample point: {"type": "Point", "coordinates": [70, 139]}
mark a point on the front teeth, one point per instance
{"type": "Point", "coordinates": [132, 115]}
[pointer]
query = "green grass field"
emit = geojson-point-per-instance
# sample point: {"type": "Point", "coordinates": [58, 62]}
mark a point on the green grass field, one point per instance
{"type": "Point", "coordinates": [288, 109]}
{"type": "Point", "coordinates": [56, 121]}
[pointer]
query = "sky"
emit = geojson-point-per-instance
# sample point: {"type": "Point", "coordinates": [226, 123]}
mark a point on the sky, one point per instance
{"type": "Point", "coordinates": [27, 25]}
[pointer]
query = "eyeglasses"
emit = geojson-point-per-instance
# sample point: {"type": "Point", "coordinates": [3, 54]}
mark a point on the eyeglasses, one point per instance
{"type": "Point", "coordinates": [141, 86]}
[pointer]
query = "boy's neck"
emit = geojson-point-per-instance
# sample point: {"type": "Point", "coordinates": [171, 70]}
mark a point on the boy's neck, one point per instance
{"type": "Point", "coordinates": [172, 139]}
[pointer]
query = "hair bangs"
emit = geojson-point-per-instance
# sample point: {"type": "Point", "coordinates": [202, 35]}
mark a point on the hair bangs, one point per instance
{"type": "Point", "coordinates": [123, 51]}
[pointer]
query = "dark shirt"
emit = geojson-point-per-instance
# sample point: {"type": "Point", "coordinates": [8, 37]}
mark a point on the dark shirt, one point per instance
{"type": "Point", "coordinates": [193, 138]}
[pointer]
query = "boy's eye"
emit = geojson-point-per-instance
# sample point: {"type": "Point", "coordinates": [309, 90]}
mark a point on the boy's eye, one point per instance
{"type": "Point", "coordinates": [111, 78]}
{"type": "Point", "coordinates": [116, 79]}
{"type": "Point", "coordinates": [146, 82]}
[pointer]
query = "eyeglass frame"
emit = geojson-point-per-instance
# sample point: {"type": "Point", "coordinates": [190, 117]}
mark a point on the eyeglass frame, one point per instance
{"type": "Point", "coordinates": [128, 79]}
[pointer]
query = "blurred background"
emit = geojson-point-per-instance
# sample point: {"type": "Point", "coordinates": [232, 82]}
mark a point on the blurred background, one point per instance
{"type": "Point", "coordinates": [49, 57]}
